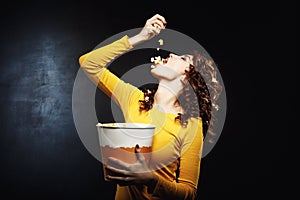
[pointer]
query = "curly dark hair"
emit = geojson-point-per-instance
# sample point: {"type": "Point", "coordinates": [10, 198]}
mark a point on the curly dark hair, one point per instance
{"type": "Point", "coordinates": [198, 98]}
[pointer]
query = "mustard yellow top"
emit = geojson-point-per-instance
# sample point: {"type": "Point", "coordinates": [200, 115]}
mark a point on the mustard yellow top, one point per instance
{"type": "Point", "coordinates": [174, 147]}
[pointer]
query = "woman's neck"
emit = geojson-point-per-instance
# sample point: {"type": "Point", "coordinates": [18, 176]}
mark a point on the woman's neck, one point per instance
{"type": "Point", "coordinates": [166, 99]}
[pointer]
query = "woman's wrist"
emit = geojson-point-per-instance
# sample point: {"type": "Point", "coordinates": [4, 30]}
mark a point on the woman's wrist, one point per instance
{"type": "Point", "coordinates": [135, 40]}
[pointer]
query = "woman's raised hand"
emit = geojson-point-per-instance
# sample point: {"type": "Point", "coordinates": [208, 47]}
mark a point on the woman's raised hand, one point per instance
{"type": "Point", "coordinates": [152, 27]}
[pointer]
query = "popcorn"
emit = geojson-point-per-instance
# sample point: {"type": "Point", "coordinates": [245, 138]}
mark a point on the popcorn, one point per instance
{"type": "Point", "coordinates": [156, 25]}
{"type": "Point", "coordinates": [161, 42]}
{"type": "Point", "coordinates": [157, 60]}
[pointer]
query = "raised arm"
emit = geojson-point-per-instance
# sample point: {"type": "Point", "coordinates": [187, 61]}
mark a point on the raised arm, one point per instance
{"type": "Point", "coordinates": [94, 61]}
{"type": "Point", "coordinates": [152, 27]}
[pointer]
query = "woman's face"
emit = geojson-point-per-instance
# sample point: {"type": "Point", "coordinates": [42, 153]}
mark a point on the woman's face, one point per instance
{"type": "Point", "coordinates": [172, 67]}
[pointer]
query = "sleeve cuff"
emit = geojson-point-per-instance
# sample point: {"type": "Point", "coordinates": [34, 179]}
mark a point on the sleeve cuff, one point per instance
{"type": "Point", "coordinates": [126, 42]}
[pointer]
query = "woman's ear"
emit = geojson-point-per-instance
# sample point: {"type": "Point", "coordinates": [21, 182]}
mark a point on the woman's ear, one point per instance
{"type": "Point", "coordinates": [187, 68]}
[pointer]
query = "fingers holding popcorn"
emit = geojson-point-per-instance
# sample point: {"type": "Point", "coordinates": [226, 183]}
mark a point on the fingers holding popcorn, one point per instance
{"type": "Point", "coordinates": [152, 28]}
{"type": "Point", "coordinates": [158, 24]}
{"type": "Point", "coordinates": [158, 21]}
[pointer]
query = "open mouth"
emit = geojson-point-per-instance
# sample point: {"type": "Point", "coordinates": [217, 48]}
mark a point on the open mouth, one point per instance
{"type": "Point", "coordinates": [158, 60]}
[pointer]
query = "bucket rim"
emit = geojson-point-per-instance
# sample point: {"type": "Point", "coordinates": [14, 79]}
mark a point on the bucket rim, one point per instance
{"type": "Point", "coordinates": [125, 125]}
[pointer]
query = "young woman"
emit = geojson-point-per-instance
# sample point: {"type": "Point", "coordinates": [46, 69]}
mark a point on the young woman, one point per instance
{"type": "Point", "coordinates": [180, 108]}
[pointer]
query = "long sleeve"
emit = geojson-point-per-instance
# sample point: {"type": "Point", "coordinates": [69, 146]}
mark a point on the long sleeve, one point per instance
{"type": "Point", "coordinates": [93, 64]}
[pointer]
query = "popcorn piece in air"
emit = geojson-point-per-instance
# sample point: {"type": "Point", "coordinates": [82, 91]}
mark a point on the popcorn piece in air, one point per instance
{"type": "Point", "coordinates": [161, 42]}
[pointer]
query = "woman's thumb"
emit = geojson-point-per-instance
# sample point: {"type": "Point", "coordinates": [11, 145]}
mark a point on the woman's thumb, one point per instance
{"type": "Point", "coordinates": [138, 154]}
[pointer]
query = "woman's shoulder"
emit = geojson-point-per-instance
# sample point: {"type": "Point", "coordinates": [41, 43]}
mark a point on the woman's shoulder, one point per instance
{"type": "Point", "coordinates": [194, 128]}
{"type": "Point", "coordinates": [195, 122]}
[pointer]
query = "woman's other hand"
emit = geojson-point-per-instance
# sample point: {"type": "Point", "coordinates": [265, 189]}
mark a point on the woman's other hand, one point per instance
{"type": "Point", "coordinates": [129, 174]}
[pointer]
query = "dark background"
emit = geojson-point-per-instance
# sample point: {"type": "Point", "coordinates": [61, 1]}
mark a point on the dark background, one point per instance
{"type": "Point", "coordinates": [253, 43]}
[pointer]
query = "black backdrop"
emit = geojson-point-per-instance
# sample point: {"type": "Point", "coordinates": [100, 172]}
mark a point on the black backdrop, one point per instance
{"type": "Point", "coordinates": [42, 156]}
